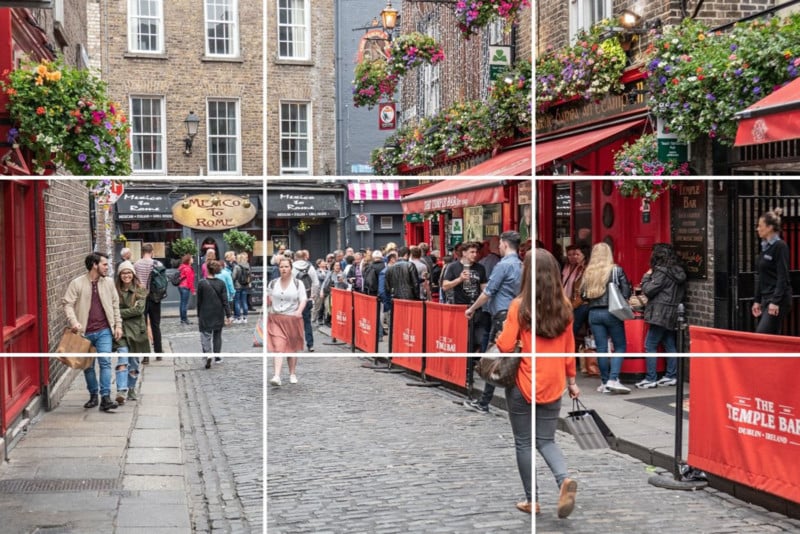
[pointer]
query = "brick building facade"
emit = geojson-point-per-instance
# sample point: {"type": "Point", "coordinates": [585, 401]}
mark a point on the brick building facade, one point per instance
{"type": "Point", "coordinates": [301, 80]}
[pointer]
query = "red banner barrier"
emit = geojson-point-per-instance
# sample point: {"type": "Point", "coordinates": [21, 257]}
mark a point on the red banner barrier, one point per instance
{"type": "Point", "coordinates": [446, 328]}
{"type": "Point", "coordinates": [365, 316]}
{"type": "Point", "coordinates": [717, 340]}
{"type": "Point", "coordinates": [452, 370]}
{"type": "Point", "coordinates": [746, 426]}
{"type": "Point", "coordinates": [407, 325]}
{"type": "Point", "coordinates": [341, 315]}
{"type": "Point", "coordinates": [413, 364]}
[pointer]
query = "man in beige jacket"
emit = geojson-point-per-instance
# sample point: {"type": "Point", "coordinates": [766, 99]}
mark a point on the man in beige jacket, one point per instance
{"type": "Point", "coordinates": [91, 304]}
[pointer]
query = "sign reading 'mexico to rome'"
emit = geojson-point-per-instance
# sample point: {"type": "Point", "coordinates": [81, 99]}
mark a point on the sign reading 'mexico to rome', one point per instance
{"type": "Point", "coordinates": [213, 212]}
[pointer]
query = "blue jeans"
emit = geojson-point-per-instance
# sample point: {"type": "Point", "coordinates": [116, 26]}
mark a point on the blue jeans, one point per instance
{"type": "Point", "coordinates": [122, 369]}
{"type": "Point", "coordinates": [240, 303]}
{"type": "Point", "coordinates": [519, 413]}
{"type": "Point", "coordinates": [609, 368]}
{"type": "Point", "coordinates": [105, 377]}
{"type": "Point", "coordinates": [605, 325]}
{"type": "Point", "coordinates": [579, 314]}
{"type": "Point", "coordinates": [672, 368]}
{"type": "Point", "coordinates": [307, 323]}
{"type": "Point", "coordinates": [658, 334]}
{"type": "Point", "coordinates": [185, 293]}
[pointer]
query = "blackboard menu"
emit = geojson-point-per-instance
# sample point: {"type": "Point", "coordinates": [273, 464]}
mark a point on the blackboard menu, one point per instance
{"type": "Point", "coordinates": [563, 200]}
{"type": "Point", "coordinates": [689, 226]}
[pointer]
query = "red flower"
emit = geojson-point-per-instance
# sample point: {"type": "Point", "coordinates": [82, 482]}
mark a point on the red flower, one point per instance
{"type": "Point", "coordinates": [40, 110]}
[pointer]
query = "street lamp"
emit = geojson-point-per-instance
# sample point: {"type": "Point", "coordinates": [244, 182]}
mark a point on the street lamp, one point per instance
{"type": "Point", "coordinates": [389, 18]}
{"type": "Point", "coordinates": [192, 122]}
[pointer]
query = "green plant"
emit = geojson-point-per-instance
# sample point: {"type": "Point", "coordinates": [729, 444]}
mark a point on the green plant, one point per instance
{"type": "Point", "coordinates": [472, 15]}
{"type": "Point", "coordinates": [239, 241]}
{"type": "Point", "coordinates": [63, 116]}
{"type": "Point", "coordinates": [640, 158]}
{"type": "Point", "coordinates": [184, 245]}
{"type": "Point", "coordinates": [646, 189]}
{"type": "Point", "coordinates": [373, 83]}
{"type": "Point", "coordinates": [510, 103]}
{"type": "Point", "coordinates": [412, 50]}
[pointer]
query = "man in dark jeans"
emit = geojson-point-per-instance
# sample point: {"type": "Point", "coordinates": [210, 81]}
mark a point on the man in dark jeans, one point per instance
{"type": "Point", "coordinates": [152, 310]}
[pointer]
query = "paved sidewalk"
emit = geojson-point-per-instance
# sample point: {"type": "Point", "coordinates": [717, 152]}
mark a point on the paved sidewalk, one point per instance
{"type": "Point", "coordinates": [85, 471]}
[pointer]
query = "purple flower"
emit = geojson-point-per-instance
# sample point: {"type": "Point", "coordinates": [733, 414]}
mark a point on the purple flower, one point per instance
{"type": "Point", "coordinates": [737, 72]}
{"type": "Point", "coordinates": [756, 90]}
{"type": "Point", "coordinates": [12, 135]}
{"type": "Point", "coordinates": [82, 157]}
{"type": "Point", "coordinates": [733, 48]}
{"type": "Point", "coordinates": [711, 97]}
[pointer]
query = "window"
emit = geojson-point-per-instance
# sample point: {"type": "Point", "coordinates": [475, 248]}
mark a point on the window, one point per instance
{"type": "Point", "coordinates": [223, 137]}
{"type": "Point", "coordinates": [294, 22]}
{"type": "Point", "coordinates": [583, 14]}
{"type": "Point", "coordinates": [431, 83]}
{"type": "Point", "coordinates": [222, 30]}
{"type": "Point", "coordinates": [145, 26]}
{"type": "Point", "coordinates": [147, 134]}
{"type": "Point", "coordinates": [295, 140]}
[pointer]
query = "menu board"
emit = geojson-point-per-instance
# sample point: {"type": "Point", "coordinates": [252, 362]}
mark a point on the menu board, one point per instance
{"type": "Point", "coordinates": [690, 226]}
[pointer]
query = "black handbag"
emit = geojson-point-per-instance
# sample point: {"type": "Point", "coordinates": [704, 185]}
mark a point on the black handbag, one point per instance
{"type": "Point", "coordinates": [500, 371]}
{"type": "Point", "coordinates": [587, 427]}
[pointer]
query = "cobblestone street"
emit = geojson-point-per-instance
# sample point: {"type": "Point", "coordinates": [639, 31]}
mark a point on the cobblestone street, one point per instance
{"type": "Point", "coordinates": [353, 450]}
{"type": "Point", "coordinates": [223, 446]}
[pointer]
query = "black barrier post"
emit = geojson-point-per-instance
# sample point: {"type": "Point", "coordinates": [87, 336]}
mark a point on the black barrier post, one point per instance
{"type": "Point", "coordinates": [676, 467]}
{"type": "Point", "coordinates": [683, 330]}
{"type": "Point", "coordinates": [352, 322]}
{"type": "Point", "coordinates": [424, 382]}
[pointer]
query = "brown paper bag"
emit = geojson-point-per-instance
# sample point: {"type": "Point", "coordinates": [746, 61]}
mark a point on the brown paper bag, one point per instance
{"type": "Point", "coordinates": [72, 343]}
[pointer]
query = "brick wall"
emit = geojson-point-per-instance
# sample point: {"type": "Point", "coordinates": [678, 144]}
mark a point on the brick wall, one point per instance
{"type": "Point", "coordinates": [68, 241]}
{"type": "Point", "coordinates": [187, 79]}
{"type": "Point", "coordinates": [700, 293]}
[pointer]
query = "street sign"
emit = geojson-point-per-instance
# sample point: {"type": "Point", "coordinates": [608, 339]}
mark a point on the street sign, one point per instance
{"type": "Point", "coordinates": [669, 148]}
{"type": "Point", "coordinates": [362, 222]}
{"type": "Point", "coordinates": [414, 218]}
{"type": "Point", "coordinates": [387, 116]}
{"type": "Point", "coordinates": [499, 60]}
{"type": "Point", "coordinates": [110, 194]}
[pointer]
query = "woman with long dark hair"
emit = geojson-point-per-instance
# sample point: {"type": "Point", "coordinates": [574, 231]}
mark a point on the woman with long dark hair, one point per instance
{"type": "Point", "coordinates": [773, 296]}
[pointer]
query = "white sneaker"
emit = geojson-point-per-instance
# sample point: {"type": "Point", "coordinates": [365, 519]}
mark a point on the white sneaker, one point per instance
{"type": "Point", "coordinates": [275, 381]}
{"type": "Point", "coordinates": [667, 381]}
{"type": "Point", "coordinates": [244, 320]}
{"type": "Point", "coordinates": [646, 384]}
{"type": "Point", "coordinates": [602, 388]}
{"type": "Point", "coordinates": [293, 379]}
{"type": "Point", "coordinates": [616, 387]}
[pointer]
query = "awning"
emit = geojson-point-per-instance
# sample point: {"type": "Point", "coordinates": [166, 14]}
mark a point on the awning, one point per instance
{"type": "Point", "coordinates": [449, 194]}
{"type": "Point", "coordinates": [515, 162]}
{"type": "Point", "coordinates": [549, 151]}
{"type": "Point", "coordinates": [775, 117]}
{"type": "Point", "coordinates": [373, 191]}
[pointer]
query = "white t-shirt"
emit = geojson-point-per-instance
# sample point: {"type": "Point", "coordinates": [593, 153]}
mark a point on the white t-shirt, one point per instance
{"type": "Point", "coordinates": [287, 301]}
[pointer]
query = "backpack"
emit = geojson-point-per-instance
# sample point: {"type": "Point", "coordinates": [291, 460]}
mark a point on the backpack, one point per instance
{"type": "Point", "coordinates": [303, 276]}
{"type": "Point", "coordinates": [176, 278]}
{"type": "Point", "coordinates": [244, 276]}
{"type": "Point", "coordinates": [158, 282]}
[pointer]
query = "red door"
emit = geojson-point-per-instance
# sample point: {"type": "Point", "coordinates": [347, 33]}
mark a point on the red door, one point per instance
{"type": "Point", "coordinates": [20, 380]}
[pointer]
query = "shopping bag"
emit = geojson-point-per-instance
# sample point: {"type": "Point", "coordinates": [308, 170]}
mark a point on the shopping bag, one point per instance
{"type": "Point", "coordinates": [258, 334]}
{"type": "Point", "coordinates": [72, 343]}
{"type": "Point", "coordinates": [618, 306]}
{"type": "Point", "coordinates": [587, 427]}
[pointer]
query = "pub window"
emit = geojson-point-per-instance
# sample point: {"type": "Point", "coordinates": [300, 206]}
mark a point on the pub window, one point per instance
{"type": "Point", "coordinates": [583, 14]}
{"type": "Point", "coordinates": [147, 134]}
{"type": "Point", "coordinates": [294, 25]}
{"type": "Point", "coordinates": [222, 28]}
{"type": "Point", "coordinates": [146, 26]}
{"type": "Point", "coordinates": [431, 82]}
{"type": "Point", "coordinates": [295, 138]}
{"type": "Point", "coordinates": [224, 150]}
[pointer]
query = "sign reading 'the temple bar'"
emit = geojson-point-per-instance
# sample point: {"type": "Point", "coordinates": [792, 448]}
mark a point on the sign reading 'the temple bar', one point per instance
{"type": "Point", "coordinates": [214, 212]}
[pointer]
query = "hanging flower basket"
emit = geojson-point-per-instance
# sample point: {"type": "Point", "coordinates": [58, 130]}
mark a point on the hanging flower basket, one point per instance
{"type": "Point", "coordinates": [473, 15]}
{"type": "Point", "coordinates": [647, 190]}
{"type": "Point", "coordinates": [63, 115]}
{"type": "Point", "coordinates": [510, 101]}
{"type": "Point", "coordinates": [640, 158]}
{"type": "Point", "coordinates": [412, 50]}
{"type": "Point", "coordinates": [373, 83]}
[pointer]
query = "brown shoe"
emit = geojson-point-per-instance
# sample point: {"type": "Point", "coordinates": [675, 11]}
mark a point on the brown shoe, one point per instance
{"type": "Point", "coordinates": [121, 396]}
{"type": "Point", "coordinates": [566, 498]}
{"type": "Point", "coordinates": [524, 507]}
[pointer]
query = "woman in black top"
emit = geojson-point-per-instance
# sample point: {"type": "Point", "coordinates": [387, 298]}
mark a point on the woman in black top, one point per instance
{"type": "Point", "coordinates": [773, 298]}
{"type": "Point", "coordinates": [213, 310]}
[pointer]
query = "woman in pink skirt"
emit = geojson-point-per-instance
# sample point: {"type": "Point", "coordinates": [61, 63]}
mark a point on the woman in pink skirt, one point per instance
{"type": "Point", "coordinates": [286, 300]}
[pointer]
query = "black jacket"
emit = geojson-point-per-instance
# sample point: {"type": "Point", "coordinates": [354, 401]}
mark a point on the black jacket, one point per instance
{"type": "Point", "coordinates": [402, 281]}
{"type": "Point", "coordinates": [664, 288]}
{"type": "Point", "coordinates": [212, 304]}
{"type": "Point", "coordinates": [773, 285]}
{"type": "Point", "coordinates": [371, 276]}
{"type": "Point", "coordinates": [624, 287]}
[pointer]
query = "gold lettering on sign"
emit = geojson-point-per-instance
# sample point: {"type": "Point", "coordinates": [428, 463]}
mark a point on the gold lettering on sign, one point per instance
{"type": "Point", "coordinates": [218, 212]}
{"type": "Point", "coordinates": [578, 112]}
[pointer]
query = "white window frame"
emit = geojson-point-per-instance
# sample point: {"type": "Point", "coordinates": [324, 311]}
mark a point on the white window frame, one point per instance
{"type": "Point", "coordinates": [233, 25]}
{"type": "Point", "coordinates": [162, 135]}
{"type": "Point", "coordinates": [309, 168]}
{"type": "Point", "coordinates": [305, 26]}
{"type": "Point", "coordinates": [582, 16]}
{"type": "Point", "coordinates": [237, 136]}
{"type": "Point", "coordinates": [431, 82]}
{"type": "Point", "coordinates": [133, 32]}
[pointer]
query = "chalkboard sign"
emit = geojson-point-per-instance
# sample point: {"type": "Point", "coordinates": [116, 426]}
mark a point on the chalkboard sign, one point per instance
{"type": "Point", "coordinates": [689, 226]}
{"type": "Point", "coordinates": [563, 200]}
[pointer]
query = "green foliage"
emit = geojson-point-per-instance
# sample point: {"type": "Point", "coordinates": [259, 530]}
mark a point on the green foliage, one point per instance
{"type": "Point", "coordinates": [184, 245]}
{"type": "Point", "coordinates": [646, 189]}
{"type": "Point", "coordinates": [239, 241]}
{"type": "Point", "coordinates": [640, 158]}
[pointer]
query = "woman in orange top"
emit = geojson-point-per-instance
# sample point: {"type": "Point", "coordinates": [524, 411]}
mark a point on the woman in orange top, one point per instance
{"type": "Point", "coordinates": [553, 334]}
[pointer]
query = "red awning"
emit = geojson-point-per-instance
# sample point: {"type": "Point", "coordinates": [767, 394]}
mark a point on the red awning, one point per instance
{"type": "Point", "coordinates": [449, 194]}
{"type": "Point", "coordinates": [775, 117]}
{"type": "Point", "coordinates": [515, 162]}
{"type": "Point", "coordinates": [549, 151]}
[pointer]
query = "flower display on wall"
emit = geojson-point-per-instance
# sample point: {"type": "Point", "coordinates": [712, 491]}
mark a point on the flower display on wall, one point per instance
{"type": "Point", "coordinates": [644, 189]}
{"type": "Point", "coordinates": [373, 83]}
{"type": "Point", "coordinates": [640, 158]}
{"type": "Point", "coordinates": [64, 117]}
{"type": "Point", "coordinates": [473, 15]}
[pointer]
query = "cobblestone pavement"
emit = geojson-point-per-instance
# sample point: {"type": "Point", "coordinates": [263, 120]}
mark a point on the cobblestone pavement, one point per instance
{"type": "Point", "coordinates": [353, 450]}
{"type": "Point", "coordinates": [236, 339]}
{"type": "Point", "coordinates": [614, 496]}
{"type": "Point", "coordinates": [222, 421]}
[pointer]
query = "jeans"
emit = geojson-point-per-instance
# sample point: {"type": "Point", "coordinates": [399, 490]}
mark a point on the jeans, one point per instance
{"type": "Point", "coordinates": [105, 377]}
{"type": "Point", "coordinates": [658, 334]}
{"type": "Point", "coordinates": [519, 413]}
{"type": "Point", "coordinates": [605, 325]}
{"type": "Point", "coordinates": [609, 368]}
{"type": "Point", "coordinates": [240, 303]}
{"type": "Point", "coordinates": [122, 370]}
{"type": "Point", "coordinates": [672, 368]}
{"type": "Point", "coordinates": [102, 340]}
{"type": "Point", "coordinates": [185, 293]}
{"type": "Point", "coordinates": [211, 341]}
{"type": "Point", "coordinates": [580, 315]}
{"type": "Point", "coordinates": [546, 424]}
{"type": "Point", "coordinates": [486, 397]}
{"type": "Point", "coordinates": [307, 324]}
{"type": "Point", "coordinates": [152, 311]}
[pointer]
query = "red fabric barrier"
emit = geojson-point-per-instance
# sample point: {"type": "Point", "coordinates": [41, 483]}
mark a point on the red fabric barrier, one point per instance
{"type": "Point", "coordinates": [407, 326]}
{"type": "Point", "coordinates": [446, 328]}
{"type": "Point", "coordinates": [413, 364]}
{"type": "Point", "coordinates": [746, 425]}
{"type": "Point", "coordinates": [365, 316]}
{"type": "Point", "coordinates": [634, 365]}
{"type": "Point", "coordinates": [704, 339]}
{"type": "Point", "coordinates": [451, 370]}
{"type": "Point", "coordinates": [341, 315]}
{"type": "Point", "coordinates": [635, 332]}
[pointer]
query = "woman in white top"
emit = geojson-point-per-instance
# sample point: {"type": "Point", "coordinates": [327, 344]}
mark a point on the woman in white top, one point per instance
{"type": "Point", "coordinates": [286, 300]}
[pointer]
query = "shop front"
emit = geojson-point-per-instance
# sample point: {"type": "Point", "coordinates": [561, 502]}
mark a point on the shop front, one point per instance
{"type": "Point", "coordinates": [376, 217]}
